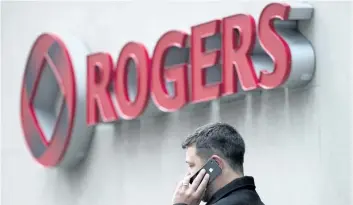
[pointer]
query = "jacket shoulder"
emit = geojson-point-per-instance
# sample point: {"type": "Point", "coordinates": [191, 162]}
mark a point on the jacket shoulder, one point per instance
{"type": "Point", "coordinates": [241, 197]}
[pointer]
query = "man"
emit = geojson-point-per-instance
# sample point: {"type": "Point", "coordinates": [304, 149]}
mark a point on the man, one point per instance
{"type": "Point", "coordinates": [224, 144]}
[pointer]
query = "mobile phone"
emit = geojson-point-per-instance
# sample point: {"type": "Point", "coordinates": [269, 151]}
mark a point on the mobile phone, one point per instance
{"type": "Point", "coordinates": [212, 168]}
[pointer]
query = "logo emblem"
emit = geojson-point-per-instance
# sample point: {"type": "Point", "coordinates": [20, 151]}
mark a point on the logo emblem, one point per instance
{"type": "Point", "coordinates": [50, 102]}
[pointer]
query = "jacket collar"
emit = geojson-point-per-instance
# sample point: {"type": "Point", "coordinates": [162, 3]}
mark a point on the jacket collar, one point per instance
{"type": "Point", "coordinates": [245, 182]}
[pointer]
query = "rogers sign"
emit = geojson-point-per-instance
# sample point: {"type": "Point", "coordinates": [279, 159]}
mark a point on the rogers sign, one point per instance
{"type": "Point", "coordinates": [67, 90]}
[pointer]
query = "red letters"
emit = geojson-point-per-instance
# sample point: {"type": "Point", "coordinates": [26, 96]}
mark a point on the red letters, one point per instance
{"type": "Point", "coordinates": [238, 64]}
{"type": "Point", "coordinates": [132, 109]}
{"type": "Point", "coordinates": [274, 45]}
{"type": "Point", "coordinates": [177, 74]}
{"type": "Point", "coordinates": [200, 61]}
{"type": "Point", "coordinates": [238, 56]}
{"type": "Point", "coordinates": [99, 74]}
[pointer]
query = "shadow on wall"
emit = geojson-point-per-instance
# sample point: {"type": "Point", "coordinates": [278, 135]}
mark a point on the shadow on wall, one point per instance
{"type": "Point", "coordinates": [69, 183]}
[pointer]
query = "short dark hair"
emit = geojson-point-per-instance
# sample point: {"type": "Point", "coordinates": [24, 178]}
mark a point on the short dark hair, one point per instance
{"type": "Point", "coordinates": [221, 139]}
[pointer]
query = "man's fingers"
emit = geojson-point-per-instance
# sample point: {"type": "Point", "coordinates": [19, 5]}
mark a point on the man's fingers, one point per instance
{"type": "Point", "coordinates": [203, 185]}
{"type": "Point", "coordinates": [186, 179]}
{"type": "Point", "coordinates": [185, 182]}
{"type": "Point", "coordinates": [198, 179]}
{"type": "Point", "coordinates": [180, 184]}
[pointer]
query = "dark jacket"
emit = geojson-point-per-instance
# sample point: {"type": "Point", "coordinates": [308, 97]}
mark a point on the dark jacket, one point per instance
{"type": "Point", "coordinates": [240, 191]}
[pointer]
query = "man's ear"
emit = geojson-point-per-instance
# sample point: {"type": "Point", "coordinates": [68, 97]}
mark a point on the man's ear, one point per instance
{"type": "Point", "coordinates": [219, 161]}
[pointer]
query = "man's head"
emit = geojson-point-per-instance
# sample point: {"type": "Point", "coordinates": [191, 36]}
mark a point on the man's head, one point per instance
{"type": "Point", "coordinates": [221, 142]}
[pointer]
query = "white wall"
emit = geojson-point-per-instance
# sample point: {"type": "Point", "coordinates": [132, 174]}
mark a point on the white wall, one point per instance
{"type": "Point", "coordinates": [299, 142]}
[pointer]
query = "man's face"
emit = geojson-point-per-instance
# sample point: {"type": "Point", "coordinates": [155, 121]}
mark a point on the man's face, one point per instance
{"type": "Point", "coordinates": [195, 163]}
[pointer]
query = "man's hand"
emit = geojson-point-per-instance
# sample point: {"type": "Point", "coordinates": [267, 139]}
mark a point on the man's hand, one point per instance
{"type": "Point", "coordinates": [191, 194]}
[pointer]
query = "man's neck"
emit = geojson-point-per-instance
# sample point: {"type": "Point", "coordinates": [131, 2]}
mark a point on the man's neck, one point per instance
{"type": "Point", "coordinates": [224, 180]}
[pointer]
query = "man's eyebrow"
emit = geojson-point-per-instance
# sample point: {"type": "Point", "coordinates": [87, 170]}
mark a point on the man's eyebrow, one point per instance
{"type": "Point", "coordinates": [188, 162]}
